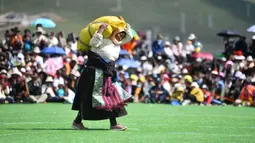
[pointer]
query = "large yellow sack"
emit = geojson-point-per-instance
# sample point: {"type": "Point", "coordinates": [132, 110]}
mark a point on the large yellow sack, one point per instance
{"type": "Point", "coordinates": [114, 23]}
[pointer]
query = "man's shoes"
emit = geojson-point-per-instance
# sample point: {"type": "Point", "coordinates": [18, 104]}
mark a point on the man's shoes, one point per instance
{"type": "Point", "coordinates": [78, 126]}
{"type": "Point", "coordinates": [118, 127]}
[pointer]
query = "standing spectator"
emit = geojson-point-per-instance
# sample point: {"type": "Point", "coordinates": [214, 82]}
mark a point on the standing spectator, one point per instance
{"type": "Point", "coordinates": [252, 46]}
{"type": "Point", "coordinates": [177, 49]}
{"type": "Point", "coordinates": [16, 40]}
{"type": "Point", "coordinates": [241, 45]}
{"type": "Point", "coordinates": [158, 46]}
{"type": "Point", "coordinates": [28, 44]}
{"type": "Point", "coordinates": [168, 52]}
{"type": "Point", "coordinates": [40, 41]}
{"type": "Point", "coordinates": [197, 45]}
{"type": "Point", "coordinates": [53, 41]}
{"type": "Point", "coordinates": [61, 39]}
{"type": "Point", "coordinates": [6, 42]}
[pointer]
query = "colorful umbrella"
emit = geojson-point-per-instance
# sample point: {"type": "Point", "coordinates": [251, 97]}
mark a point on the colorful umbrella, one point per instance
{"type": "Point", "coordinates": [229, 33]}
{"type": "Point", "coordinates": [124, 52]}
{"type": "Point", "coordinates": [46, 23]}
{"type": "Point", "coordinates": [251, 29]}
{"type": "Point", "coordinates": [52, 65]}
{"type": "Point", "coordinates": [129, 63]}
{"type": "Point", "coordinates": [203, 55]}
{"type": "Point", "coordinates": [136, 36]}
{"type": "Point", "coordinates": [54, 50]}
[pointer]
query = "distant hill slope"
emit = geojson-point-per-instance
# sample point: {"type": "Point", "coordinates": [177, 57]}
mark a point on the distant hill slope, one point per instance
{"type": "Point", "coordinates": [162, 15]}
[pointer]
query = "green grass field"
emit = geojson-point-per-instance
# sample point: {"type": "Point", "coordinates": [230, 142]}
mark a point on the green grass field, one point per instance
{"type": "Point", "coordinates": [147, 123]}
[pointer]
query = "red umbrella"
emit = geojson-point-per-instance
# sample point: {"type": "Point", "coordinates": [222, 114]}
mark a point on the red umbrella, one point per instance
{"type": "Point", "coordinates": [203, 55]}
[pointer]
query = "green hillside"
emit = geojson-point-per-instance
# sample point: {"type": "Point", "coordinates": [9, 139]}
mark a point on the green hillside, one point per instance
{"type": "Point", "coordinates": [162, 15]}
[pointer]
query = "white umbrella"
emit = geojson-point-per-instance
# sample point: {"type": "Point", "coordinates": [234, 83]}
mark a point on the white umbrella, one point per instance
{"type": "Point", "coordinates": [251, 29]}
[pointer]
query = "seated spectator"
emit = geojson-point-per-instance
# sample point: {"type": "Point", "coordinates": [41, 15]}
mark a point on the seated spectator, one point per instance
{"type": "Point", "coordinates": [246, 97]}
{"type": "Point", "coordinates": [20, 91]}
{"type": "Point", "coordinates": [196, 95]}
{"type": "Point", "coordinates": [158, 93]}
{"type": "Point", "coordinates": [36, 57]}
{"type": "Point", "coordinates": [4, 89]}
{"type": "Point", "coordinates": [35, 90]}
{"type": "Point", "coordinates": [72, 80]}
{"type": "Point", "coordinates": [177, 97]}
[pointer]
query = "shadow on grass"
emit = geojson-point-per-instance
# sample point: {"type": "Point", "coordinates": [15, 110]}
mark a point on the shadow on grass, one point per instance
{"type": "Point", "coordinates": [52, 129]}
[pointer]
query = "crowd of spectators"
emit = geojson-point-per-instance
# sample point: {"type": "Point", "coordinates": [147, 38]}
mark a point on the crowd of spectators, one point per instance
{"type": "Point", "coordinates": [168, 72]}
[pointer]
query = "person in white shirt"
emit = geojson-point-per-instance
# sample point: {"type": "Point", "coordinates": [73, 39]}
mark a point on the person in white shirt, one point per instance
{"type": "Point", "coordinates": [168, 51]}
{"type": "Point", "coordinates": [41, 40]}
{"type": "Point", "coordinates": [177, 49]}
{"type": "Point", "coordinates": [53, 41]}
{"type": "Point", "coordinates": [36, 57]}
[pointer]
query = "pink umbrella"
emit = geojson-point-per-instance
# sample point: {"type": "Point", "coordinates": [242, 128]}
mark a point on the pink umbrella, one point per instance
{"type": "Point", "coordinates": [203, 55]}
{"type": "Point", "coordinates": [52, 65]}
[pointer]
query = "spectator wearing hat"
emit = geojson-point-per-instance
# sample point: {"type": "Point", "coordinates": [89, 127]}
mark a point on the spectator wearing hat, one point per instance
{"type": "Point", "coordinates": [168, 53]}
{"type": "Point", "coordinates": [147, 65]}
{"type": "Point", "coordinates": [196, 95]}
{"type": "Point", "coordinates": [40, 41]}
{"type": "Point", "coordinates": [48, 89]}
{"type": "Point", "coordinates": [4, 88]}
{"type": "Point", "coordinates": [189, 49]}
{"type": "Point", "coordinates": [177, 48]}
{"type": "Point", "coordinates": [20, 91]}
{"type": "Point", "coordinates": [20, 60]}
{"type": "Point", "coordinates": [177, 96]}
{"type": "Point", "coordinates": [197, 45]}
{"type": "Point", "coordinates": [16, 40]}
{"type": "Point", "coordinates": [236, 87]}
{"type": "Point", "coordinates": [36, 57]}
{"type": "Point", "coordinates": [158, 46]}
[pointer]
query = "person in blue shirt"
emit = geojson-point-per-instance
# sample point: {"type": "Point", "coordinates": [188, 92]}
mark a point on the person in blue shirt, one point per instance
{"type": "Point", "coordinates": [158, 46]}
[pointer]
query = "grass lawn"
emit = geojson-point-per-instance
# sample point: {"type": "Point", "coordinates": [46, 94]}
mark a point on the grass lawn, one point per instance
{"type": "Point", "coordinates": [31, 123]}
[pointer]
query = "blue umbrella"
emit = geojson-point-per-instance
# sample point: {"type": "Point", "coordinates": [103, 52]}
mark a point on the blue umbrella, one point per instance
{"type": "Point", "coordinates": [124, 52]}
{"type": "Point", "coordinates": [129, 63]}
{"type": "Point", "coordinates": [46, 23]}
{"type": "Point", "coordinates": [53, 50]}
